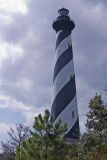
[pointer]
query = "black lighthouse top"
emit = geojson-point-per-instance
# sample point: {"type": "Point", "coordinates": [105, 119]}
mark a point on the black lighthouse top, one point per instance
{"type": "Point", "coordinates": [63, 21]}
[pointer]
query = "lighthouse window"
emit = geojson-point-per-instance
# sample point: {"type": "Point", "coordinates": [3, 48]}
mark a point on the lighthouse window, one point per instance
{"type": "Point", "coordinates": [72, 114]}
{"type": "Point", "coordinates": [71, 77]}
{"type": "Point", "coordinates": [68, 45]}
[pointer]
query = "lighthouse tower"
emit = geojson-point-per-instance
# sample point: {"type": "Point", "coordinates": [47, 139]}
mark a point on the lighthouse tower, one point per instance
{"type": "Point", "coordinates": [64, 102]}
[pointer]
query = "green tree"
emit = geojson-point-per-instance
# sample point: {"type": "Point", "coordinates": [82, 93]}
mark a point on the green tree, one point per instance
{"type": "Point", "coordinates": [97, 115]}
{"type": "Point", "coordinates": [47, 141]}
{"type": "Point", "coordinates": [94, 141]}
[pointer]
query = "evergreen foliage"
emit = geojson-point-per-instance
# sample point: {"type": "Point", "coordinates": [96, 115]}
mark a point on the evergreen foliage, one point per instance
{"type": "Point", "coordinates": [47, 142]}
{"type": "Point", "coordinates": [94, 141]}
{"type": "Point", "coordinates": [97, 115]}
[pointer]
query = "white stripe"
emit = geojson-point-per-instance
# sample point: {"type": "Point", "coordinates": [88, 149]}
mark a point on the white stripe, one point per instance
{"type": "Point", "coordinates": [66, 114]}
{"type": "Point", "coordinates": [56, 50]}
{"type": "Point", "coordinates": [63, 46]}
{"type": "Point", "coordinates": [58, 33]}
{"type": "Point", "coordinates": [62, 78]}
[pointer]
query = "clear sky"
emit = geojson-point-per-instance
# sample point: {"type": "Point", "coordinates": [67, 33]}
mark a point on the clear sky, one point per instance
{"type": "Point", "coordinates": [27, 43]}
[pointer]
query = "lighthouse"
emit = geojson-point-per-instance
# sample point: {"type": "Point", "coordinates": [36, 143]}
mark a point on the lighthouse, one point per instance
{"type": "Point", "coordinates": [64, 99]}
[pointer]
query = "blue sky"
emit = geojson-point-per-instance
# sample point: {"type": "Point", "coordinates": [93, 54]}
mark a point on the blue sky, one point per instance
{"type": "Point", "coordinates": [27, 43]}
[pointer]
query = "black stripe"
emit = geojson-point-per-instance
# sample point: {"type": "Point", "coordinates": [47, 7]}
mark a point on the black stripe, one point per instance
{"type": "Point", "coordinates": [66, 56]}
{"type": "Point", "coordinates": [74, 132]}
{"type": "Point", "coordinates": [64, 97]}
{"type": "Point", "coordinates": [62, 36]}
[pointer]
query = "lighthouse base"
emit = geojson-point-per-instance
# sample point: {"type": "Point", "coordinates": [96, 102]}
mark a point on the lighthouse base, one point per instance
{"type": "Point", "coordinates": [70, 141]}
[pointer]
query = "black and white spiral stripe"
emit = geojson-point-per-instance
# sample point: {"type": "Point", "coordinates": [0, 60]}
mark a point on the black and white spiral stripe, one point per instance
{"type": "Point", "coordinates": [64, 104]}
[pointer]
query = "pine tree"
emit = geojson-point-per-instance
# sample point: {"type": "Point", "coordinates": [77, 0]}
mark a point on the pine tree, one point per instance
{"type": "Point", "coordinates": [47, 142]}
{"type": "Point", "coordinates": [94, 142]}
{"type": "Point", "coordinates": [97, 115]}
